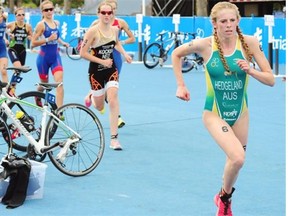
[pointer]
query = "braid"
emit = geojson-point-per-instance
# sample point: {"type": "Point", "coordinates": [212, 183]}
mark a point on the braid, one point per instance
{"type": "Point", "coordinates": [223, 60]}
{"type": "Point", "coordinates": [245, 46]}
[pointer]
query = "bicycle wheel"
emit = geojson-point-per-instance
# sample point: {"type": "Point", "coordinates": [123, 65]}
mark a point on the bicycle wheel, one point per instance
{"type": "Point", "coordinates": [188, 63]}
{"type": "Point", "coordinates": [73, 51]}
{"type": "Point", "coordinates": [83, 156]}
{"type": "Point", "coordinates": [5, 139]}
{"type": "Point", "coordinates": [35, 97]}
{"type": "Point", "coordinates": [151, 55]}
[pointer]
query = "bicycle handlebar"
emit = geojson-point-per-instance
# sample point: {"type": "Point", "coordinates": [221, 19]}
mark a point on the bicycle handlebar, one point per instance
{"type": "Point", "coordinates": [174, 34]}
{"type": "Point", "coordinates": [185, 34]}
{"type": "Point", "coordinates": [3, 91]}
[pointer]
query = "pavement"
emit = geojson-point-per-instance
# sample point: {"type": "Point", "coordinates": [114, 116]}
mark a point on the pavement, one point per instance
{"type": "Point", "coordinates": [169, 166]}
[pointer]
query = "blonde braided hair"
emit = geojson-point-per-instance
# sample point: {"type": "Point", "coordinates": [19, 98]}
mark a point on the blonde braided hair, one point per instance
{"type": "Point", "coordinates": [245, 46]}
{"type": "Point", "coordinates": [213, 15]}
{"type": "Point", "coordinates": [222, 58]}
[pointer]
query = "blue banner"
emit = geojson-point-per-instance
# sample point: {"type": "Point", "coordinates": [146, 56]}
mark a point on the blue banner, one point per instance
{"type": "Point", "coordinates": [153, 25]}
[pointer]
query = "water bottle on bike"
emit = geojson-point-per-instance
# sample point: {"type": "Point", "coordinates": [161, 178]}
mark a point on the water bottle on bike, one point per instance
{"type": "Point", "coordinates": [27, 121]}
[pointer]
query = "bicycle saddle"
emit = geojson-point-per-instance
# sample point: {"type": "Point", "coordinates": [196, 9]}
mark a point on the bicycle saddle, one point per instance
{"type": "Point", "coordinates": [49, 85]}
{"type": "Point", "coordinates": [23, 69]}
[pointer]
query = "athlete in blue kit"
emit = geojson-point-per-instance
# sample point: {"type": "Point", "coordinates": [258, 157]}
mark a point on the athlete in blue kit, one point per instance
{"type": "Point", "coordinates": [3, 45]}
{"type": "Point", "coordinates": [47, 36]}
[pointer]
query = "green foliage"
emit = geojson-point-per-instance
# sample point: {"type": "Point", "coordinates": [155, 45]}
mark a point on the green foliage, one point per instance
{"type": "Point", "coordinates": [77, 3]}
{"type": "Point", "coordinates": [29, 5]}
{"type": "Point", "coordinates": [74, 3]}
{"type": "Point", "coordinates": [29, 2]}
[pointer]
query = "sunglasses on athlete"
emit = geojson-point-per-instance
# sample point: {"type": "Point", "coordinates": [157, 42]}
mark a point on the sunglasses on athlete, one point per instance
{"type": "Point", "coordinates": [106, 12]}
{"type": "Point", "coordinates": [48, 9]}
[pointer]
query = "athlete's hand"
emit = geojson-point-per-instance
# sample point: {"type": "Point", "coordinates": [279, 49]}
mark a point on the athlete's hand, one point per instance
{"type": "Point", "coordinates": [128, 58]}
{"type": "Point", "coordinates": [66, 44]}
{"type": "Point", "coordinates": [183, 93]}
{"type": "Point", "coordinates": [53, 37]}
{"type": "Point", "coordinates": [244, 65]}
{"type": "Point", "coordinates": [107, 62]}
{"type": "Point", "coordinates": [11, 36]}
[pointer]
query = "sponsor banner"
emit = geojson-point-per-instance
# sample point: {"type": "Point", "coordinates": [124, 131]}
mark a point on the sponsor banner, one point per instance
{"type": "Point", "coordinates": [70, 28]}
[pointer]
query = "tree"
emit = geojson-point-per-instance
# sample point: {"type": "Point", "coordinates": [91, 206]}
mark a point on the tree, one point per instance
{"type": "Point", "coordinates": [67, 6]}
{"type": "Point", "coordinates": [11, 6]}
{"type": "Point", "coordinates": [19, 3]}
{"type": "Point", "coordinates": [201, 7]}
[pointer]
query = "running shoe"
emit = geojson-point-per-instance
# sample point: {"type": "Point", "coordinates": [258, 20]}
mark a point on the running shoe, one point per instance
{"type": "Point", "coordinates": [102, 111]}
{"type": "Point", "coordinates": [115, 145]}
{"type": "Point", "coordinates": [61, 116]}
{"type": "Point", "coordinates": [121, 122]}
{"type": "Point", "coordinates": [16, 133]}
{"type": "Point", "coordinates": [88, 100]}
{"type": "Point", "coordinates": [224, 207]}
{"type": "Point", "coordinates": [11, 91]}
{"type": "Point", "coordinates": [38, 101]}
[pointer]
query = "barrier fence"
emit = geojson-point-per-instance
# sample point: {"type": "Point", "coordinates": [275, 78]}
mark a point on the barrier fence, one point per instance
{"type": "Point", "coordinates": [145, 29]}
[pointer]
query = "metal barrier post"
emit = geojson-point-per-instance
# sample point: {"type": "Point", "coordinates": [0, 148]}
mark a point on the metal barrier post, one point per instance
{"type": "Point", "coordinates": [139, 20]}
{"type": "Point", "coordinates": [78, 20]}
{"type": "Point", "coordinates": [270, 54]}
{"type": "Point", "coordinates": [176, 22]}
{"type": "Point", "coordinates": [27, 18]}
{"type": "Point", "coordinates": [277, 61]}
{"type": "Point", "coordinates": [269, 21]}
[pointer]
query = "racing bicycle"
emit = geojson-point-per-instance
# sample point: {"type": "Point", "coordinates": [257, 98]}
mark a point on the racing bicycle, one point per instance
{"type": "Point", "coordinates": [74, 143]}
{"type": "Point", "coordinates": [36, 97]}
{"type": "Point", "coordinates": [157, 52]}
{"type": "Point", "coordinates": [73, 50]}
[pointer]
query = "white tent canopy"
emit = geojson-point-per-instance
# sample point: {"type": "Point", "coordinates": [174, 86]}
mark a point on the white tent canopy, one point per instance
{"type": "Point", "coordinates": [135, 6]}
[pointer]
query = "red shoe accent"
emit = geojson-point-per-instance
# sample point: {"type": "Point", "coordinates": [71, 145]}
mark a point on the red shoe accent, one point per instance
{"type": "Point", "coordinates": [224, 208]}
{"type": "Point", "coordinates": [88, 100]}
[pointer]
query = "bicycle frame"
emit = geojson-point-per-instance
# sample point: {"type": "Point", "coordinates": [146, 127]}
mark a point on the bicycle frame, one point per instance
{"type": "Point", "coordinates": [39, 146]}
{"type": "Point", "coordinates": [163, 42]}
{"type": "Point", "coordinates": [158, 52]}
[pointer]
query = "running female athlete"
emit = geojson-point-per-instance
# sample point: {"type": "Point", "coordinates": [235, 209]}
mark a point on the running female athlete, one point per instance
{"type": "Point", "coordinates": [228, 56]}
{"type": "Point", "coordinates": [19, 32]}
{"type": "Point", "coordinates": [103, 75]}
{"type": "Point", "coordinates": [123, 26]}
{"type": "Point", "coordinates": [3, 45]}
{"type": "Point", "coordinates": [47, 36]}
